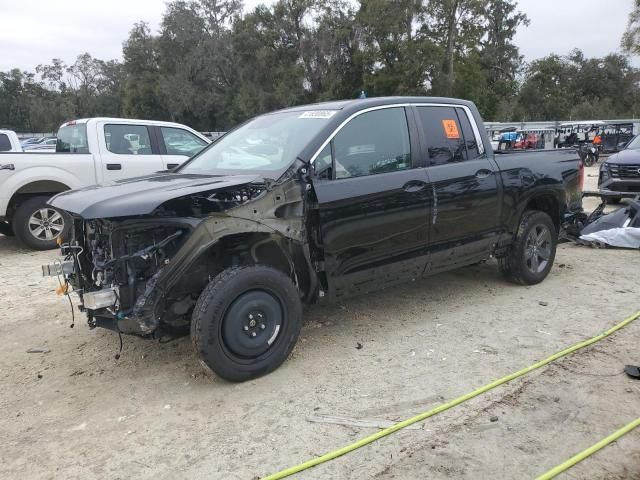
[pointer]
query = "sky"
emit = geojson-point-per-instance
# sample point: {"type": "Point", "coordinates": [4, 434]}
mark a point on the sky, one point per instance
{"type": "Point", "coordinates": [33, 32]}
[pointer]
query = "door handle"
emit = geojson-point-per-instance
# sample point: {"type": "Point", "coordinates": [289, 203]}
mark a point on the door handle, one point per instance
{"type": "Point", "coordinates": [8, 166]}
{"type": "Point", "coordinates": [414, 186]}
{"type": "Point", "coordinates": [114, 166]}
{"type": "Point", "coordinates": [483, 173]}
{"type": "Point", "coordinates": [172, 165]}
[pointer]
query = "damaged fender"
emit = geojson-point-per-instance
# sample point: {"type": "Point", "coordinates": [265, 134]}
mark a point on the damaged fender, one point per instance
{"type": "Point", "coordinates": [277, 213]}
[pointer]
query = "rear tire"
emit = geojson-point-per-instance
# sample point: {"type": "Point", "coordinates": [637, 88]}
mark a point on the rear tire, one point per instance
{"type": "Point", "coordinates": [533, 251]}
{"type": "Point", "coordinates": [246, 322]}
{"type": "Point", "coordinates": [39, 225]}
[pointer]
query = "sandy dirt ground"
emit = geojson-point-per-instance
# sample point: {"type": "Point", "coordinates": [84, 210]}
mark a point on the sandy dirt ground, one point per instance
{"type": "Point", "coordinates": [77, 412]}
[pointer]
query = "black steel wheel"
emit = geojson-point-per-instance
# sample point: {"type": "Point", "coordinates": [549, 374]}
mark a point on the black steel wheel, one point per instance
{"type": "Point", "coordinates": [252, 324]}
{"type": "Point", "coordinates": [246, 322]}
{"type": "Point", "coordinates": [533, 250]}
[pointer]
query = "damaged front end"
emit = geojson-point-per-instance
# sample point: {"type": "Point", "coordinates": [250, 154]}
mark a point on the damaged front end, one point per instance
{"type": "Point", "coordinates": [143, 274]}
{"type": "Point", "coordinates": [111, 263]}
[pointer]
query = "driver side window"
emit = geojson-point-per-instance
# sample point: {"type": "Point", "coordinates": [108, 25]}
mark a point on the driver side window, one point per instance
{"type": "Point", "coordinates": [372, 143]}
{"type": "Point", "coordinates": [124, 139]}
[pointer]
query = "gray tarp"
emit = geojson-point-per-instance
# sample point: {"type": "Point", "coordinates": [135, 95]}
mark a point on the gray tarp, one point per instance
{"type": "Point", "coordinates": [627, 237]}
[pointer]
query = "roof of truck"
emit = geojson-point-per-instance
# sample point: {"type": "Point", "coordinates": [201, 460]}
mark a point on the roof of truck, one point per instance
{"type": "Point", "coordinates": [120, 120]}
{"type": "Point", "coordinates": [159, 123]}
{"type": "Point", "coordinates": [361, 103]}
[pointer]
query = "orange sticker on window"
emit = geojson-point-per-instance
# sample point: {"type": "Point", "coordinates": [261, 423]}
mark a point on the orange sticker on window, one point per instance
{"type": "Point", "coordinates": [450, 128]}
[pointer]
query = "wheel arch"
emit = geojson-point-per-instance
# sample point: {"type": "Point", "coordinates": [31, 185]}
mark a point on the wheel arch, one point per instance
{"type": "Point", "coordinates": [35, 188]}
{"type": "Point", "coordinates": [249, 248]}
{"type": "Point", "coordinates": [548, 203]}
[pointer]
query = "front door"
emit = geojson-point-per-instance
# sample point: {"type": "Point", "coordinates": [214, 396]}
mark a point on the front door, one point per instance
{"type": "Point", "coordinates": [177, 145]}
{"type": "Point", "coordinates": [127, 151]}
{"type": "Point", "coordinates": [465, 185]}
{"type": "Point", "coordinates": [373, 204]}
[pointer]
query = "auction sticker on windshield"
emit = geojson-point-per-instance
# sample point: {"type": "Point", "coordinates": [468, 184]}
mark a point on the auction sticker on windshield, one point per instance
{"type": "Point", "coordinates": [450, 128]}
{"type": "Point", "coordinates": [318, 114]}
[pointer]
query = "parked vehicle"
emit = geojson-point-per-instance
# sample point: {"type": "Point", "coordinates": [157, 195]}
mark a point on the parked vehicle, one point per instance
{"type": "Point", "coordinates": [87, 151]}
{"type": "Point", "coordinates": [570, 134]}
{"type": "Point", "coordinates": [508, 137]}
{"type": "Point", "coordinates": [28, 141]}
{"type": "Point", "coordinates": [613, 137]}
{"type": "Point", "coordinates": [33, 141]}
{"type": "Point", "coordinates": [9, 141]}
{"type": "Point", "coordinates": [47, 145]}
{"type": "Point", "coordinates": [526, 140]}
{"type": "Point", "coordinates": [589, 154]}
{"type": "Point", "coordinates": [620, 173]}
{"type": "Point", "coordinates": [305, 205]}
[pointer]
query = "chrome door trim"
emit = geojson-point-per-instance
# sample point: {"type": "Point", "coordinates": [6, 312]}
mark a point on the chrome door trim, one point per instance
{"type": "Point", "coordinates": [467, 110]}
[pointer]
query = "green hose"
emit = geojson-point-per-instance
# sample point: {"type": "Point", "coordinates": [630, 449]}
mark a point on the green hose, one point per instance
{"type": "Point", "coordinates": [589, 451]}
{"type": "Point", "coordinates": [446, 406]}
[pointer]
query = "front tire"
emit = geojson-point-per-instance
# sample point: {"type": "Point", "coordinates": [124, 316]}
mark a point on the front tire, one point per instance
{"type": "Point", "coordinates": [533, 251]}
{"type": "Point", "coordinates": [246, 322]}
{"type": "Point", "coordinates": [39, 225]}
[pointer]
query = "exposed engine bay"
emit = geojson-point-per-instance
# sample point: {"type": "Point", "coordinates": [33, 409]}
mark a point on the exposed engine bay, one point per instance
{"type": "Point", "coordinates": [114, 261]}
{"type": "Point", "coordinates": [143, 274]}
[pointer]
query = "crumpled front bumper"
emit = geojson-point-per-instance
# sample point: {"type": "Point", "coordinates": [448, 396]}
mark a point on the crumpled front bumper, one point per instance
{"type": "Point", "coordinates": [95, 300]}
{"type": "Point", "coordinates": [99, 305]}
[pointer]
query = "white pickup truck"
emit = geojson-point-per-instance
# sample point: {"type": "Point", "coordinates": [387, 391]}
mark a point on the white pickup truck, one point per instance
{"type": "Point", "coordinates": [88, 152]}
{"type": "Point", "coordinates": [9, 141]}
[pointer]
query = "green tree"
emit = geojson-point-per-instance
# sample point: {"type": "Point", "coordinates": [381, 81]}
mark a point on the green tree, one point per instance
{"type": "Point", "coordinates": [631, 38]}
{"type": "Point", "coordinates": [499, 59]}
{"type": "Point", "coordinates": [142, 75]}
{"type": "Point", "coordinates": [397, 55]}
{"type": "Point", "coordinates": [456, 27]}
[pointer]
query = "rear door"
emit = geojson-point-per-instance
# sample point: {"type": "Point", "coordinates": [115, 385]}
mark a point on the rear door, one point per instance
{"type": "Point", "coordinates": [373, 203]}
{"type": "Point", "coordinates": [177, 145]}
{"type": "Point", "coordinates": [127, 150]}
{"type": "Point", "coordinates": [465, 186]}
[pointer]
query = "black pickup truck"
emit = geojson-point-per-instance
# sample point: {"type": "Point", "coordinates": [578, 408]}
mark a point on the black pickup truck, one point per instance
{"type": "Point", "coordinates": [304, 205]}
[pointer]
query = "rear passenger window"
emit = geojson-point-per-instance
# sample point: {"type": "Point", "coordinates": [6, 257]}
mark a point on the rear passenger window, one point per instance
{"type": "Point", "coordinates": [373, 142]}
{"type": "Point", "coordinates": [127, 139]}
{"type": "Point", "coordinates": [443, 133]}
{"type": "Point", "coordinates": [5, 143]}
{"type": "Point", "coordinates": [469, 136]}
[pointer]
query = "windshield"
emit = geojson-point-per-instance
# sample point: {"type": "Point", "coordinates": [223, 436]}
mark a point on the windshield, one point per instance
{"type": "Point", "coordinates": [266, 144]}
{"type": "Point", "coordinates": [634, 144]}
{"type": "Point", "coordinates": [72, 139]}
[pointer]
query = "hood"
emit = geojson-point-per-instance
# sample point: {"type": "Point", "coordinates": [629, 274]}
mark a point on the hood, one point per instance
{"type": "Point", "coordinates": [625, 157]}
{"type": "Point", "coordinates": [142, 195]}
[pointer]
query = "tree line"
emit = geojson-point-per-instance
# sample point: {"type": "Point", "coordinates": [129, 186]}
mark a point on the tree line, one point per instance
{"type": "Point", "coordinates": [212, 65]}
